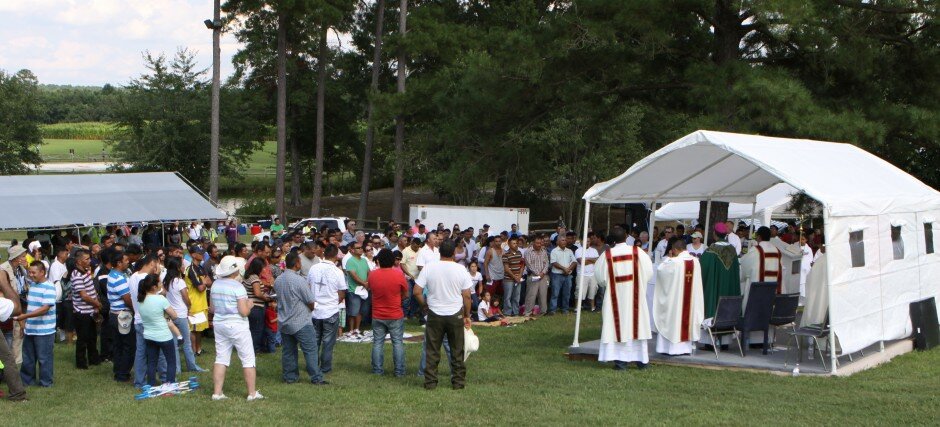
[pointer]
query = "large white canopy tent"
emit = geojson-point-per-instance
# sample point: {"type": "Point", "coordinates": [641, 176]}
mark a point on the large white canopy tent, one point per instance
{"type": "Point", "coordinates": [863, 199]}
{"type": "Point", "coordinates": [770, 203]}
{"type": "Point", "coordinates": [66, 201]}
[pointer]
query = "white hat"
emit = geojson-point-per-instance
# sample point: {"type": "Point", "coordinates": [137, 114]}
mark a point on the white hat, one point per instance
{"type": "Point", "coordinates": [229, 265]}
{"type": "Point", "coordinates": [362, 292]}
{"type": "Point", "coordinates": [124, 319]}
{"type": "Point", "coordinates": [34, 245]}
{"type": "Point", "coordinates": [16, 252]}
{"type": "Point", "coordinates": [470, 343]}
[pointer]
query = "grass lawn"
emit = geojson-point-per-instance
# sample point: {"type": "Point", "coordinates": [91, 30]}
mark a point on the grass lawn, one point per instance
{"type": "Point", "coordinates": [518, 376]}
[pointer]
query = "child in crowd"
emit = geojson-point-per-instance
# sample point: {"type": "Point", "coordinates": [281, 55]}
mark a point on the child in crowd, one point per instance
{"type": "Point", "coordinates": [477, 288]}
{"type": "Point", "coordinates": [271, 338]}
{"type": "Point", "coordinates": [154, 309]}
{"type": "Point", "coordinates": [487, 313]}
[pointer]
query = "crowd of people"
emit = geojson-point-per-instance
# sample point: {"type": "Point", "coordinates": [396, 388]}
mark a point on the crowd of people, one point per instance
{"type": "Point", "coordinates": [144, 299]}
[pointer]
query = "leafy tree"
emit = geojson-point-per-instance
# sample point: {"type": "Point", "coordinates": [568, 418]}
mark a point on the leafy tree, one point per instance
{"type": "Point", "coordinates": [164, 122]}
{"type": "Point", "coordinates": [19, 129]}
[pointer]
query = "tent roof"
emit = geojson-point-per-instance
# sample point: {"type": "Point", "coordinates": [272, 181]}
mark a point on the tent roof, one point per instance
{"type": "Point", "coordinates": [773, 200]}
{"type": "Point", "coordinates": [59, 201]}
{"type": "Point", "coordinates": [736, 168]}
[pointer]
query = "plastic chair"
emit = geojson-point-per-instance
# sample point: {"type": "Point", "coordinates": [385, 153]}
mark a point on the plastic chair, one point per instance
{"type": "Point", "coordinates": [760, 303]}
{"type": "Point", "coordinates": [725, 322]}
{"type": "Point", "coordinates": [784, 313]}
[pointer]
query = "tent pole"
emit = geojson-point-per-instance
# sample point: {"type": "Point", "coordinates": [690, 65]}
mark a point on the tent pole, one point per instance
{"type": "Point", "coordinates": [79, 230]}
{"type": "Point", "coordinates": [584, 233]}
{"type": "Point", "coordinates": [753, 217]}
{"type": "Point", "coordinates": [608, 218]}
{"type": "Point", "coordinates": [708, 217]}
{"type": "Point", "coordinates": [652, 241]}
{"type": "Point", "coordinates": [833, 359]}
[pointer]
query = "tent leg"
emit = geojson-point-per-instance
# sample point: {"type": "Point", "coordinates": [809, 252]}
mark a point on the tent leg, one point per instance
{"type": "Point", "coordinates": [753, 216]}
{"type": "Point", "coordinates": [79, 230]}
{"type": "Point", "coordinates": [708, 217]}
{"type": "Point", "coordinates": [652, 241]}
{"type": "Point", "coordinates": [577, 317]}
{"type": "Point", "coordinates": [881, 344]}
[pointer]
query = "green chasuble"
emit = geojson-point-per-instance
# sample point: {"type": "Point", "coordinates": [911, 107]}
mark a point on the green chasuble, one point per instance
{"type": "Point", "coordinates": [721, 275]}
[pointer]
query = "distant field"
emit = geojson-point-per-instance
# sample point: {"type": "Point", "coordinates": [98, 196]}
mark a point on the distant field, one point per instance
{"type": "Point", "coordinates": [82, 130]}
{"type": "Point", "coordinates": [263, 160]}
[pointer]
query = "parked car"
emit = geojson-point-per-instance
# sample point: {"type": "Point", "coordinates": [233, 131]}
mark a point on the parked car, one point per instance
{"type": "Point", "coordinates": [320, 223]}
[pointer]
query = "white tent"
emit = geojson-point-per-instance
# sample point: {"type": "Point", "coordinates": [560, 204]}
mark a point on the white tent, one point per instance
{"type": "Point", "coordinates": [770, 203]}
{"type": "Point", "coordinates": [63, 201]}
{"type": "Point", "coordinates": [864, 199]}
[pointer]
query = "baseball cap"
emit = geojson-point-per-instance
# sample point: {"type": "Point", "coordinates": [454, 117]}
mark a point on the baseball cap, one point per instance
{"type": "Point", "coordinates": [124, 319]}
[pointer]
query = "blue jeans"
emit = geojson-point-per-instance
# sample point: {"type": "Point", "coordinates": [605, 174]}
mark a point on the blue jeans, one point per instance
{"type": "Point", "coordinates": [37, 348]}
{"type": "Point", "coordinates": [397, 330]}
{"type": "Point", "coordinates": [511, 292]}
{"type": "Point", "coordinates": [409, 305]}
{"type": "Point", "coordinates": [140, 359]}
{"type": "Point", "coordinates": [270, 339]}
{"type": "Point", "coordinates": [191, 365]}
{"type": "Point", "coordinates": [324, 331]}
{"type": "Point", "coordinates": [256, 326]}
{"type": "Point", "coordinates": [424, 351]}
{"type": "Point", "coordinates": [560, 284]}
{"type": "Point", "coordinates": [306, 339]}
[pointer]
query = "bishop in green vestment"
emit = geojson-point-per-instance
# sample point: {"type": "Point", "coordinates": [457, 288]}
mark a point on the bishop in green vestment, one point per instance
{"type": "Point", "coordinates": [720, 271]}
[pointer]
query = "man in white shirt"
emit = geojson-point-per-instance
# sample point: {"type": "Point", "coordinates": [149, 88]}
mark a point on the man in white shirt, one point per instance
{"type": "Point", "coordinates": [590, 254]}
{"type": "Point", "coordinates": [58, 269]}
{"type": "Point", "coordinates": [328, 284]}
{"type": "Point", "coordinates": [430, 253]}
{"type": "Point", "coordinates": [448, 287]}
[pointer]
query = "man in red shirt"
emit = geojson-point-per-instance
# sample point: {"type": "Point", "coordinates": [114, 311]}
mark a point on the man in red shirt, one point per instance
{"type": "Point", "coordinates": [389, 288]}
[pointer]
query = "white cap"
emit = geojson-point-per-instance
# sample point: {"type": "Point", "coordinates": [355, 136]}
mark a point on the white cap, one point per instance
{"type": "Point", "coordinates": [229, 265]}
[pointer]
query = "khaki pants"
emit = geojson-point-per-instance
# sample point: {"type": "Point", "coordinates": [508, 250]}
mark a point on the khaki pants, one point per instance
{"type": "Point", "coordinates": [18, 343]}
{"type": "Point", "coordinates": [540, 288]}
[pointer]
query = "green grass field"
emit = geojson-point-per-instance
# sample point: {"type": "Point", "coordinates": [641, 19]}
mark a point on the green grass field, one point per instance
{"type": "Point", "coordinates": [519, 376]}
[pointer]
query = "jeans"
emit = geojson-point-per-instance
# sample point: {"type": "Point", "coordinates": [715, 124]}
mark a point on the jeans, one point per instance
{"type": "Point", "coordinates": [183, 325]}
{"type": "Point", "coordinates": [306, 339]}
{"type": "Point", "coordinates": [106, 346]}
{"type": "Point", "coordinates": [561, 284]}
{"type": "Point", "coordinates": [270, 339]}
{"type": "Point", "coordinates": [437, 329]}
{"type": "Point", "coordinates": [154, 351]}
{"type": "Point", "coordinates": [86, 346]}
{"type": "Point", "coordinates": [37, 348]}
{"type": "Point", "coordinates": [256, 326]}
{"type": "Point", "coordinates": [408, 305]}
{"type": "Point", "coordinates": [140, 358]}
{"type": "Point", "coordinates": [396, 328]}
{"type": "Point", "coordinates": [511, 291]}
{"type": "Point", "coordinates": [123, 348]}
{"type": "Point", "coordinates": [424, 355]}
{"type": "Point", "coordinates": [10, 375]}
{"type": "Point", "coordinates": [325, 335]}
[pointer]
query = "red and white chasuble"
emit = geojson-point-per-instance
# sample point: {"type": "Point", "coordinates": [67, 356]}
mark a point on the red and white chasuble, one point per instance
{"type": "Point", "coordinates": [678, 304]}
{"type": "Point", "coordinates": [762, 264]}
{"type": "Point", "coordinates": [624, 271]}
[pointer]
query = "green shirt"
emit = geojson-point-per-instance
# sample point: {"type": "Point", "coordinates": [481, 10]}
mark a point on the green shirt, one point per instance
{"type": "Point", "coordinates": [358, 265]}
{"type": "Point", "coordinates": [276, 229]}
{"type": "Point", "coordinates": [151, 314]}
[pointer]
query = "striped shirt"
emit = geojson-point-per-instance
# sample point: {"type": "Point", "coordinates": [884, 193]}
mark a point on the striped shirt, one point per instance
{"type": "Point", "coordinates": [117, 288]}
{"type": "Point", "coordinates": [83, 282]}
{"type": "Point", "coordinates": [514, 261]}
{"type": "Point", "coordinates": [225, 295]}
{"type": "Point", "coordinates": [249, 284]}
{"type": "Point", "coordinates": [41, 294]}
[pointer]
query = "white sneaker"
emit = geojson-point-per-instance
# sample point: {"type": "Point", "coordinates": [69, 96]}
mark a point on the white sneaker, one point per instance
{"type": "Point", "coordinates": [257, 396]}
{"type": "Point", "coordinates": [219, 397]}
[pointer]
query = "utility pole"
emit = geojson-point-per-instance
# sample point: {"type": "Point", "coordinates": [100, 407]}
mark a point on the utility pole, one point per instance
{"type": "Point", "coordinates": [214, 138]}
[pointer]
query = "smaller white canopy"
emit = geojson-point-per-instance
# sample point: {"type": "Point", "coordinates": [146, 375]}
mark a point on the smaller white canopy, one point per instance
{"type": "Point", "coordinates": [59, 201]}
{"type": "Point", "coordinates": [769, 203]}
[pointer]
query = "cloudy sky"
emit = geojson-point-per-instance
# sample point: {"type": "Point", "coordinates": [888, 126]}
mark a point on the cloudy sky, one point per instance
{"type": "Point", "coordinates": [93, 42]}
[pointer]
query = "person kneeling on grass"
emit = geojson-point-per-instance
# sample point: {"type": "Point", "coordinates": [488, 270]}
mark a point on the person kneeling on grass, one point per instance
{"type": "Point", "coordinates": [157, 334]}
{"type": "Point", "coordinates": [486, 313]}
{"type": "Point", "coordinates": [231, 307]}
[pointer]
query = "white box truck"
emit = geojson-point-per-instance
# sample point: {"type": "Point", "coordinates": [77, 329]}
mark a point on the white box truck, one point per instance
{"type": "Point", "coordinates": [499, 219]}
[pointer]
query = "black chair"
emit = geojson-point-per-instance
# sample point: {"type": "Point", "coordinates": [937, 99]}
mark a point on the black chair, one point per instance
{"type": "Point", "coordinates": [784, 313]}
{"type": "Point", "coordinates": [760, 304]}
{"type": "Point", "coordinates": [725, 321]}
{"type": "Point", "coordinates": [812, 331]}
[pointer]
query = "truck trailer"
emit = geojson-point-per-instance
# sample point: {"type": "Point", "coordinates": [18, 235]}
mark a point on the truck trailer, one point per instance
{"type": "Point", "coordinates": [499, 219]}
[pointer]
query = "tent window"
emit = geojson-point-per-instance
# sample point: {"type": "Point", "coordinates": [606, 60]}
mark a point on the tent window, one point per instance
{"type": "Point", "coordinates": [857, 247]}
{"type": "Point", "coordinates": [928, 236]}
{"type": "Point", "coordinates": [897, 242]}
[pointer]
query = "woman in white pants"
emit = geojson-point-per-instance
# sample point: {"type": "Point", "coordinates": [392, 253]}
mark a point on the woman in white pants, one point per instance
{"type": "Point", "coordinates": [231, 306]}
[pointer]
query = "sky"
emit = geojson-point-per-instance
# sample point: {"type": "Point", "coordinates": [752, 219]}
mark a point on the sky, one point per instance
{"type": "Point", "coordinates": [93, 42]}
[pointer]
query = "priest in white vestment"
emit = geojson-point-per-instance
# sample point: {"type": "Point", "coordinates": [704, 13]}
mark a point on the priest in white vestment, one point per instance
{"type": "Point", "coordinates": [679, 304]}
{"type": "Point", "coordinates": [761, 264]}
{"type": "Point", "coordinates": [817, 292]}
{"type": "Point", "coordinates": [791, 265]}
{"type": "Point", "coordinates": [624, 271]}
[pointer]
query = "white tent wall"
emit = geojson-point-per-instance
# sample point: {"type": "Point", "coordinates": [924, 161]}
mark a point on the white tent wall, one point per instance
{"type": "Point", "coordinates": [929, 263]}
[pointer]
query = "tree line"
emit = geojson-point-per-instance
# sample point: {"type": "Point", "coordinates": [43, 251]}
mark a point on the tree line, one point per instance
{"type": "Point", "coordinates": [511, 101]}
